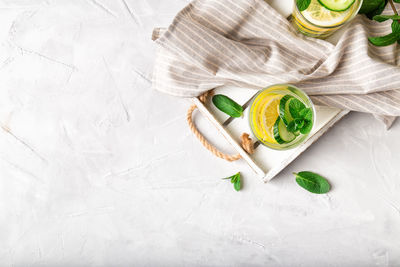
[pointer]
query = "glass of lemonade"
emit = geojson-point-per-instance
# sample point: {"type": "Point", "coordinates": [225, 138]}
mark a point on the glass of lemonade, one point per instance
{"type": "Point", "coordinates": [281, 116]}
{"type": "Point", "coordinates": [322, 17]}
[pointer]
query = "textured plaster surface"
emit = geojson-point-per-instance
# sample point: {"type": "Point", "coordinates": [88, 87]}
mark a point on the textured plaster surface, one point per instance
{"type": "Point", "coordinates": [97, 169]}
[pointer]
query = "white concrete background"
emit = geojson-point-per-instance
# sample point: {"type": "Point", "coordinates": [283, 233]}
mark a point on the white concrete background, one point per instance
{"type": "Point", "coordinates": [97, 169]}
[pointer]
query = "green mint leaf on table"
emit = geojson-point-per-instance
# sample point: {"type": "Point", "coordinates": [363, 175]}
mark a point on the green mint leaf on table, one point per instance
{"type": "Point", "coordinates": [227, 105]}
{"type": "Point", "coordinates": [303, 4]}
{"type": "Point", "coordinates": [397, 1]}
{"type": "Point", "coordinates": [372, 7]}
{"type": "Point", "coordinates": [237, 185]}
{"type": "Point", "coordinates": [295, 106]}
{"type": "Point", "coordinates": [312, 182]}
{"type": "Point", "coordinates": [381, 18]}
{"type": "Point", "coordinates": [235, 180]}
{"type": "Point", "coordinates": [389, 39]}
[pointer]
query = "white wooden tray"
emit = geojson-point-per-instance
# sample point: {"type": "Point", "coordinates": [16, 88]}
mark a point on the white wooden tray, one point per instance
{"type": "Point", "coordinates": [265, 162]}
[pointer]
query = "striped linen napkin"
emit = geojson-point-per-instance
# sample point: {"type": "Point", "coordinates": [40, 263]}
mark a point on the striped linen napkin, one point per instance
{"type": "Point", "coordinates": [247, 43]}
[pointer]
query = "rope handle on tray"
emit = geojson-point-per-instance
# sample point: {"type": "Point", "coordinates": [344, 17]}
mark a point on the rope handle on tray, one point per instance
{"type": "Point", "coordinates": [246, 142]}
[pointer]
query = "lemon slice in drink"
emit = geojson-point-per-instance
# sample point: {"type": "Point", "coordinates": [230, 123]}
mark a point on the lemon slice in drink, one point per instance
{"type": "Point", "coordinates": [321, 16]}
{"type": "Point", "coordinates": [257, 119]}
{"type": "Point", "coordinates": [270, 113]}
{"type": "Point", "coordinates": [265, 113]}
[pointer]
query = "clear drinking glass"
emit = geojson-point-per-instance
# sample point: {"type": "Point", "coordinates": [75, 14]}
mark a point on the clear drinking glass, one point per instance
{"type": "Point", "coordinates": [318, 21]}
{"type": "Point", "coordinates": [265, 111]}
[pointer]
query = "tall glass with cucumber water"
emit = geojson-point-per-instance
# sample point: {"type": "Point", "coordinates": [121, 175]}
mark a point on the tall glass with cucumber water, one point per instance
{"type": "Point", "coordinates": [320, 18]}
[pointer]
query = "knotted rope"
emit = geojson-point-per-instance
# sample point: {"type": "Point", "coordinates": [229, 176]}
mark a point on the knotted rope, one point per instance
{"type": "Point", "coordinates": [246, 142]}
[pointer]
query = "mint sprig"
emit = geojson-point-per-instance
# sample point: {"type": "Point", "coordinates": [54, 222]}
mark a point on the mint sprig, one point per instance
{"type": "Point", "coordinates": [373, 9]}
{"type": "Point", "coordinates": [382, 18]}
{"type": "Point", "coordinates": [388, 39]}
{"type": "Point", "coordinates": [235, 180]}
{"type": "Point", "coordinates": [302, 117]}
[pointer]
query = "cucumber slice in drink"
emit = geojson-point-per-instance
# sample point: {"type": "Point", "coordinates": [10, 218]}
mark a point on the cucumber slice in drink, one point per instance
{"type": "Point", "coordinates": [289, 108]}
{"type": "Point", "coordinates": [337, 5]}
{"type": "Point", "coordinates": [321, 16]}
{"type": "Point", "coordinates": [284, 112]}
{"type": "Point", "coordinates": [281, 134]}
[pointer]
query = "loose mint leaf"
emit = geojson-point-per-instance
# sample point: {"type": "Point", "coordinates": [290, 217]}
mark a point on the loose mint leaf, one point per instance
{"type": "Point", "coordinates": [295, 106]}
{"type": "Point", "coordinates": [381, 18]}
{"type": "Point", "coordinates": [306, 114]}
{"type": "Point", "coordinates": [235, 180]}
{"type": "Point", "coordinates": [227, 105]}
{"type": "Point", "coordinates": [303, 4]}
{"type": "Point", "coordinates": [307, 127]}
{"type": "Point", "coordinates": [397, 1]}
{"type": "Point", "coordinates": [312, 182]}
{"type": "Point", "coordinates": [384, 40]}
{"type": "Point", "coordinates": [372, 8]}
{"type": "Point", "coordinates": [237, 185]}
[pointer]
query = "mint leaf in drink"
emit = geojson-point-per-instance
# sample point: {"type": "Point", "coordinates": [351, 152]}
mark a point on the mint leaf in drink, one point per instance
{"type": "Point", "coordinates": [295, 106]}
{"type": "Point", "coordinates": [306, 114]}
{"type": "Point", "coordinates": [299, 123]}
{"type": "Point", "coordinates": [227, 105]}
{"type": "Point", "coordinates": [235, 180]}
{"type": "Point", "coordinates": [303, 4]}
{"type": "Point", "coordinates": [381, 18]}
{"type": "Point", "coordinates": [292, 127]}
{"type": "Point", "coordinates": [312, 182]}
{"type": "Point", "coordinates": [307, 127]}
{"type": "Point", "coordinates": [389, 39]}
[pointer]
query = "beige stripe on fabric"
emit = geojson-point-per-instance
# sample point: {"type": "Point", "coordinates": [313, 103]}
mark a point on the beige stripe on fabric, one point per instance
{"type": "Point", "coordinates": [247, 43]}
